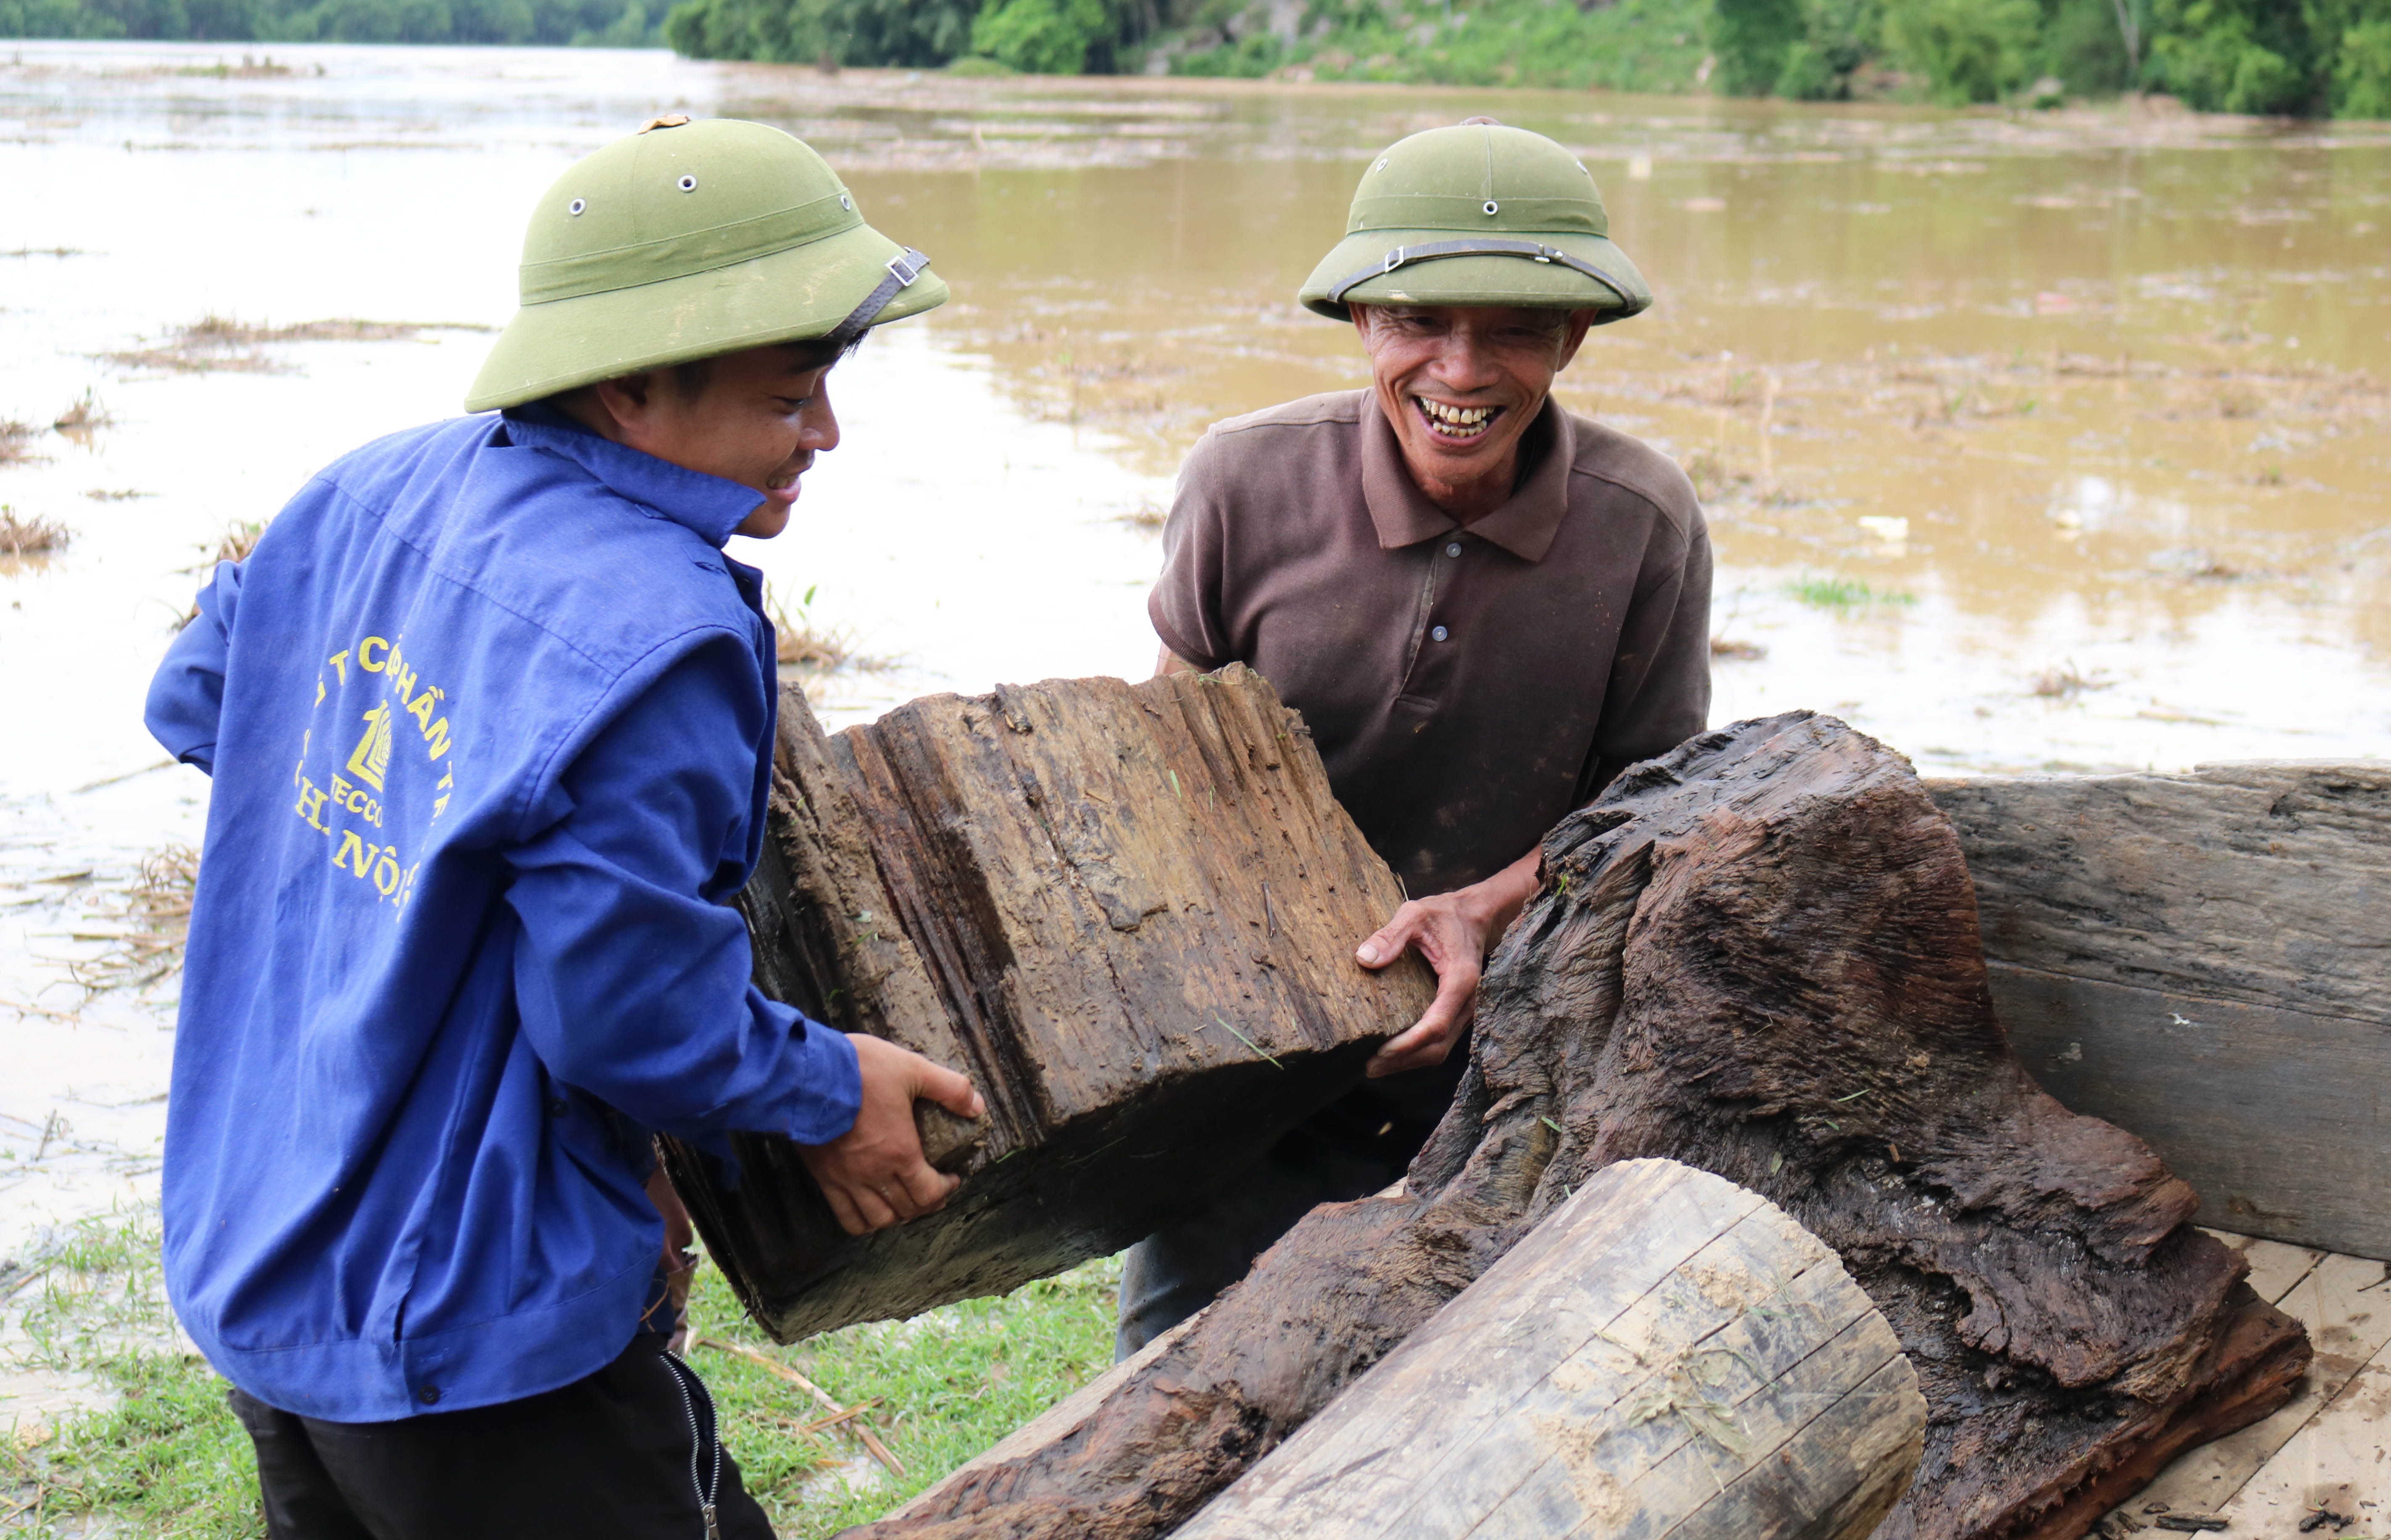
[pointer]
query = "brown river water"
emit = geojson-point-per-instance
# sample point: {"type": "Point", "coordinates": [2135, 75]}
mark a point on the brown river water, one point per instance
{"type": "Point", "coordinates": [2057, 441]}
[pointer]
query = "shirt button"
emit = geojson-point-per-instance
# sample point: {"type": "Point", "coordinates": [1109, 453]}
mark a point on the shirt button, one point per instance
{"type": "Point", "coordinates": [1453, 550]}
{"type": "Point", "coordinates": [429, 1395]}
{"type": "Point", "coordinates": [1438, 633]}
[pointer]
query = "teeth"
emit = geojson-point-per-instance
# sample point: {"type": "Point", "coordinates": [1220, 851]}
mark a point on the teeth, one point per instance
{"type": "Point", "coordinates": [1457, 422]}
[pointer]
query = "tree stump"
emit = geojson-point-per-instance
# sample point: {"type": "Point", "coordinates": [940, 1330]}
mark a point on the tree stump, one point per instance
{"type": "Point", "coordinates": [1667, 1353]}
{"type": "Point", "coordinates": [1757, 955]}
{"type": "Point", "coordinates": [1127, 911]}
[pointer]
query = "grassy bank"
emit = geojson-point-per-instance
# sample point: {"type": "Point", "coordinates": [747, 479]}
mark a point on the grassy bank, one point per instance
{"type": "Point", "coordinates": [167, 1458]}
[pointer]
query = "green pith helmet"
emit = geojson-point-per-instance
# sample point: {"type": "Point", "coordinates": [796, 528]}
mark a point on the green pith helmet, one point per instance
{"type": "Point", "coordinates": [1478, 215]}
{"type": "Point", "coordinates": [686, 241]}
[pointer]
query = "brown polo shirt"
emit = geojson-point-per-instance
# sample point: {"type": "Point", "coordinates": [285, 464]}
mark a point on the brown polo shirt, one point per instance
{"type": "Point", "coordinates": [1467, 687]}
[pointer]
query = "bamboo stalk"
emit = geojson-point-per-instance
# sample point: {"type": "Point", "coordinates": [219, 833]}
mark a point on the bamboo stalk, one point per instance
{"type": "Point", "coordinates": [830, 1404]}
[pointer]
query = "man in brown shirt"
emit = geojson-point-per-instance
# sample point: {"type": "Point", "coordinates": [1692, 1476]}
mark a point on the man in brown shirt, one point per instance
{"type": "Point", "coordinates": [1483, 606]}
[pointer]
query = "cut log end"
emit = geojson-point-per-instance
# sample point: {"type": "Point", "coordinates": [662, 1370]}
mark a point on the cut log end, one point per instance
{"type": "Point", "coordinates": [1126, 912]}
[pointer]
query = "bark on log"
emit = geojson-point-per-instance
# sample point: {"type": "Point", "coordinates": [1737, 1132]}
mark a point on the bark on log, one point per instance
{"type": "Point", "coordinates": [1667, 1355]}
{"type": "Point", "coordinates": [2206, 959]}
{"type": "Point", "coordinates": [1757, 955]}
{"type": "Point", "coordinates": [1127, 911]}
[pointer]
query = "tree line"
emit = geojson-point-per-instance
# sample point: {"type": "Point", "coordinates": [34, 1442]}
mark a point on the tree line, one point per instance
{"type": "Point", "coordinates": [614, 23]}
{"type": "Point", "coordinates": [2295, 58]}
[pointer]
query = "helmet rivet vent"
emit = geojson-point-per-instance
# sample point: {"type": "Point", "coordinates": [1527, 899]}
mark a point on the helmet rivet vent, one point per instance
{"type": "Point", "coordinates": [1492, 207]}
{"type": "Point", "coordinates": [688, 183]}
{"type": "Point", "coordinates": [575, 207]}
{"type": "Point", "coordinates": [845, 201]}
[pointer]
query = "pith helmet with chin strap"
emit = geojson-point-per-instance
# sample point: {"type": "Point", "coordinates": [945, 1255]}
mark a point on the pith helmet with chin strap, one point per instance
{"type": "Point", "coordinates": [687, 241]}
{"type": "Point", "coordinates": [1478, 214]}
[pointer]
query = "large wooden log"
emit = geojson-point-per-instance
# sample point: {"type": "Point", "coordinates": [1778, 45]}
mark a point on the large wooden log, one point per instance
{"type": "Point", "coordinates": [1666, 1354]}
{"type": "Point", "coordinates": [1757, 955]}
{"type": "Point", "coordinates": [1126, 912]}
{"type": "Point", "coordinates": [2205, 961]}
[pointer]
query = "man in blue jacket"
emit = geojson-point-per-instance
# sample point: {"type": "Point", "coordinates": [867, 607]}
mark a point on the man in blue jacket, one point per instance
{"type": "Point", "coordinates": [490, 715]}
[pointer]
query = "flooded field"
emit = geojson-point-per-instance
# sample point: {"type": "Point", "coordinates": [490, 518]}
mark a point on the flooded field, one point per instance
{"type": "Point", "coordinates": [2057, 442]}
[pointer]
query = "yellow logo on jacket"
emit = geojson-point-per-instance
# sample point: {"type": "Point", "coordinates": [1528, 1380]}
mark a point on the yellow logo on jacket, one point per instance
{"type": "Point", "coordinates": [371, 757]}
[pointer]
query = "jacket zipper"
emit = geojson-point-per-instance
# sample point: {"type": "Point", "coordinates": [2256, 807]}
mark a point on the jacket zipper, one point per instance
{"type": "Point", "coordinates": [711, 1484]}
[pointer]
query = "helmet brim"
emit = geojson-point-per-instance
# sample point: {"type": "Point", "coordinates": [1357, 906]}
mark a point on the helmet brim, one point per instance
{"type": "Point", "coordinates": [1476, 280]}
{"type": "Point", "coordinates": [789, 296]}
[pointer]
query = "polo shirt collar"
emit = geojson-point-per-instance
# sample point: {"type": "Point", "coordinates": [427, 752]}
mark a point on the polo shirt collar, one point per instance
{"type": "Point", "coordinates": [1524, 526]}
{"type": "Point", "coordinates": [710, 506]}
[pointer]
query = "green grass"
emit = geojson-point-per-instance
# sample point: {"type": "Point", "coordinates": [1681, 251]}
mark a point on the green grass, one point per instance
{"type": "Point", "coordinates": [1844, 594]}
{"type": "Point", "coordinates": [167, 1458]}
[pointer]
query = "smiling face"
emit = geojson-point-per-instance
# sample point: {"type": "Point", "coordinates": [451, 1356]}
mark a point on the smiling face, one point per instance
{"type": "Point", "coordinates": [1460, 385]}
{"type": "Point", "coordinates": [756, 418]}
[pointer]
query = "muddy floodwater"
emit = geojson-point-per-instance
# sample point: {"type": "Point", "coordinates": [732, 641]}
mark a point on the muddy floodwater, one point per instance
{"type": "Point", "coordinates": [2029, 443]}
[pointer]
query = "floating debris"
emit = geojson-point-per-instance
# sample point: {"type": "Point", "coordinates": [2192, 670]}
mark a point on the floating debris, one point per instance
{"type": "Point", "coordinates": [220, 343]}
{"type": "Point", "coordinates": [83, 420]}
{"type": "Point", "coordinates": [2064, 681]}
{"type": "Point", "coordinates": [146, 924]}
{"type": "Point", "coordinates": [30, 534]}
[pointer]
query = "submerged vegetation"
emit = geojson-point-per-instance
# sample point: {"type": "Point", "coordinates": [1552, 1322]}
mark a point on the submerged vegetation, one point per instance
{"type": "Point", "coordinates": [28, 534]}
{"type": "Point", "coordinates": [166, 1457]}
{"type": "Point", "coordinates": [223, 343]}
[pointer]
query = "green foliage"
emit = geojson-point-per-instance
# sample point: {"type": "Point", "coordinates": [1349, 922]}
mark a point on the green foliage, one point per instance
{"type": "Point", "coordinates": [1040, 37]}
{"type": "Point", "coordinates": [1750, 40]}
{"type": "Point", "coordinates": [169, 1457]}
{"type": "Point", "coordinates": [1965, 50]}
{"type": "Point", "coordinates": [2083, 48]}
{"type": "Point", "coordinates": [2361, 82]}
{"type": "Point", "coordinates": [1633, 45]}
{"type": "Point", "coordinates": [2237, 55]}
{"type": "Point", "coordinates": [914, 34]}
{"type": "Point", "coordinates": [1838, 37]}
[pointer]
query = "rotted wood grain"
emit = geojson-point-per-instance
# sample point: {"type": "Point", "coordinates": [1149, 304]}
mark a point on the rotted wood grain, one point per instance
{"type": "Point", "coordinates": [2205, 961]}
{"type": "Point", "coordinates": [1127, 911]}
{"type": "Point", "coordinates": [1757, 955]}
{"type": "Point", "coordinates": [1667, 1355]}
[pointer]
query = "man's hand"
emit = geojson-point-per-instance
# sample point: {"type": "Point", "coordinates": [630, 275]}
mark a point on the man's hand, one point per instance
{"type": "Point", "coordinates": [873, 1174]}
{"type": "Point", "coordinates": [1453, 932]}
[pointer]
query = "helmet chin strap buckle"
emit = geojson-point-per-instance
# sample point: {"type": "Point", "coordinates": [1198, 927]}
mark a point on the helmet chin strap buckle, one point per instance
{"type": "Point", "coordinates": [903, 269]}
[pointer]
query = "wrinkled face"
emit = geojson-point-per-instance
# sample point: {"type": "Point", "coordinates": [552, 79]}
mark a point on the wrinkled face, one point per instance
{"type": "Point", "coordinates": [758, 418]}
{"type": "Point", "coordinates": [1461, 384]}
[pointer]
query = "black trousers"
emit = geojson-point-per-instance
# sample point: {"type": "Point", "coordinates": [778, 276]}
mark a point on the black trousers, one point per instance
{"type": "Point", "coordinates": [1357, 1146]}
{"type": "Point", "coordinates": [627, 1454]}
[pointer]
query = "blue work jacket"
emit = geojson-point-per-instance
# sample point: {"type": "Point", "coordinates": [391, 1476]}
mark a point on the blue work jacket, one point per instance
{"type": "Point", "coordinates": [490, 715]}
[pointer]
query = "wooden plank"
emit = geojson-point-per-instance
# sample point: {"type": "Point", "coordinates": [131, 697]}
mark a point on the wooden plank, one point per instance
{"type": "Point", "coordinates": [2274, 1265]}
{"type": "Point", "coordinates": [2344, 1302]}
{"type": "Point", "coordinates": [2338, 1463]}
{"type": "Point", "coordinates": [2279, 1121]}
{"type": "Point", "coordinates": [1127, 911]}
{"type": "Point", "coordinates": [2205, 961]}
{"type": "Point", "coordinates": [2267, 883]}
{"type": "Point", "coordinates": [1667, 1355]}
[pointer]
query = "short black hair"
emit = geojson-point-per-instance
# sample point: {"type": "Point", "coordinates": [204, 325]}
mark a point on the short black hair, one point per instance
{"type": "Point", "coordinates": [691, 379]}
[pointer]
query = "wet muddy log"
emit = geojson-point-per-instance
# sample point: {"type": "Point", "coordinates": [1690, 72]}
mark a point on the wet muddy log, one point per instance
{"type": "Point", "coordinates": [1666, 1354]}
{"type": "Point", "coordinates": [1127, 911]}
{"type": "Point", "coordinates": [2206, 959]}
{"type": "Point", "coordinates": [1757, 955]}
